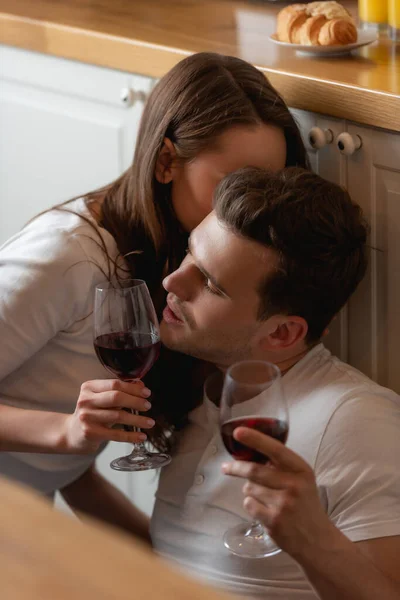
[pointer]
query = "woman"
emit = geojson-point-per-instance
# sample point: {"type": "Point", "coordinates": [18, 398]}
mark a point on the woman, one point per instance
{"type": "Point", "coordinates": [207, 117]}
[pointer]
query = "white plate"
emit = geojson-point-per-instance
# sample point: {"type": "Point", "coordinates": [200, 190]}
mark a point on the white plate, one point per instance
{"type": "Point", "coordinates": [364, 38]}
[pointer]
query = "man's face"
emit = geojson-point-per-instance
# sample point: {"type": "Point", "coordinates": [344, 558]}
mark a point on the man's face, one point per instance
{"type": "Point", "coordinates": [213, 297]}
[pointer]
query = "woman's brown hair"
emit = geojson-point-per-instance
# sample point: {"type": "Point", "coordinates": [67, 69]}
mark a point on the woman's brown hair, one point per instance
{"type": "Point", "coordinates": [192, 105]}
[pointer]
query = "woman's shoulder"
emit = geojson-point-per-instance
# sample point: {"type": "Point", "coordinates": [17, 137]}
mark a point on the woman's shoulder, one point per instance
{"type": "Point", "coordinates": [61, 236]}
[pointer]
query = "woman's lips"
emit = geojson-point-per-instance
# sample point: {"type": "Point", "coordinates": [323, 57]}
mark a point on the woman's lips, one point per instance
{"type": "Point", "coordinates": [170, 317]}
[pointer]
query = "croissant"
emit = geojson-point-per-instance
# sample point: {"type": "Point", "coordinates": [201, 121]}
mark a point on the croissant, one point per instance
{"type": "Point", "coordinates": [316, 24]}
{"type": "Point", "coordinates": [330, 10]}
{"type": "Point", "coordinates": [309, 32]}
{"type": "Point", "coordinates": [337, 32]}
{"type": "Point", "coordinates": [296, 27]}
{"type": "Point", "coordinates": [290, 19]}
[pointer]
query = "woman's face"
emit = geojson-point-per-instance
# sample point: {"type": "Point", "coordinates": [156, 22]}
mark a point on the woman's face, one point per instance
{"type": "Point", "coordinates": [194, 182]}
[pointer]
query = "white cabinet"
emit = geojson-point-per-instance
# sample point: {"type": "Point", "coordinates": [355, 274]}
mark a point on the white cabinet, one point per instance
{"type": "Point", "coordinates": [329, 163]}
{"type": "Point", "coordinates": [65, 128]}
{"type": "Point", "coordinates": [367, 331]}
{"type": "Point", "coordinates": [374, 310]}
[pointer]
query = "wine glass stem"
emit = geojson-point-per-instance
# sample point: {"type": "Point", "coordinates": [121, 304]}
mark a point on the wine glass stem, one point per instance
{"type": "Point", "coordinates": [138, 447]}
{"type": "Point", "coordinates": [255, 530]}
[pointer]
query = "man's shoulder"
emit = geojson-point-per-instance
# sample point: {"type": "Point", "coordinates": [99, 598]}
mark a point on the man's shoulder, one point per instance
{"type": "Point", "coordinates": [324, 375]}
{"type": "Point", "coordinates": [363, 410]}
{"type": "Point", "coordinates": [330, 400]}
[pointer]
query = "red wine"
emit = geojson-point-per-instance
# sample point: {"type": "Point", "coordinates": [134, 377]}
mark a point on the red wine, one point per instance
{"type": "Point", "coordinates": [127, 355]}
{"type": "Point", "coordinates": [273, 427]}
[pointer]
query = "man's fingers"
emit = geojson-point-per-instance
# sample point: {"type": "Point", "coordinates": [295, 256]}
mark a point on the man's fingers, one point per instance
{"type": "Point", "coordinates": [259, 511]}
{"type": "Point", "coordinates": [265, 495]}
{"type": "Point", "coordinates": [261, 474]}
{"type": "Point", "coordinates": [277, 452]}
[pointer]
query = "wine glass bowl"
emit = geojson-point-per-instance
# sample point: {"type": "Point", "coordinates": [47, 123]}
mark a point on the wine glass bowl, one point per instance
{"type": "Point", "coordinates": [129, 356]}
{"type": "Point", "coordinates": [127, 343]}
{"type": "Point", "coordinates": [252, 397]}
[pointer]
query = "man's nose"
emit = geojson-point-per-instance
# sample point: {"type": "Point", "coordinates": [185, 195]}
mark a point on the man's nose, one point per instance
{"type": "Point", "coordinates": [182, 282]}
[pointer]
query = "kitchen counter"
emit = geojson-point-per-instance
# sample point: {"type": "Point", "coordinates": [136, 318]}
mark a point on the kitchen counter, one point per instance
{"type": "Point", "coordinates": [47, 555]}
{"type": "Point", "coordinates": [150, 36]}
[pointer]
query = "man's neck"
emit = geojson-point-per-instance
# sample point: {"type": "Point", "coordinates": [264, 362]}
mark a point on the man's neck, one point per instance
{"type": "Point", "coordinates": [286, 364]}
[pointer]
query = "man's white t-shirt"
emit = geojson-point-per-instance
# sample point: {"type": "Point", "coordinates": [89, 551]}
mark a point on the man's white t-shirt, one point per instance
{"type": "Point", "coordinates": [48, 273]}
{"type": "Point", "coordinates": [343, 424]}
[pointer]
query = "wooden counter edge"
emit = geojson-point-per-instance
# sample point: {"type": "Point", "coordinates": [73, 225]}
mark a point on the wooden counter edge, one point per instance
{"type": "Point", "coordinates": [45, 554]}
{"type": "Point", "coordinates": [326, 97]}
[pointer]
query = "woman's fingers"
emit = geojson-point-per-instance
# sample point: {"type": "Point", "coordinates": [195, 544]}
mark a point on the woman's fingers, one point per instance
{"type": "Point", "coordinates": [115, 399]}
{"type": "Point", "coordinates": [114, 394]}
{"type": "Point", "coordinates": [103, 404]}
{"type": "Point", "coordinates": [115, 417]}
{"type": "Point", "coordinates": [136, 388]}
{"type": "Point", "coordinates": [98, 433]}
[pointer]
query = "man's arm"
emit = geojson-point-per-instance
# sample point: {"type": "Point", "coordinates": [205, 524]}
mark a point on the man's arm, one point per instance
{"type": "Point", "coordinates": [285, 499]}
{"type": "Point", "coordinates": [355, 571]}
{"type": "Point", "coordinates": [94, 495]}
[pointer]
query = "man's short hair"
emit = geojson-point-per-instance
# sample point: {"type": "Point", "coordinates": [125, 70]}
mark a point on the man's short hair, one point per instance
{"type": "Point", "coordinates": [318, 233]}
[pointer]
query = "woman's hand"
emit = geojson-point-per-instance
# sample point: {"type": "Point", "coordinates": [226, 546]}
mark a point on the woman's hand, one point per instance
{"type": "Point", "coordinates": [100, 406]}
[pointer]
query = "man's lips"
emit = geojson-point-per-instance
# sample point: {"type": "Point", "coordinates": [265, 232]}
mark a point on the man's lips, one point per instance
{"type": "Point", "coordinates": [170, 316]}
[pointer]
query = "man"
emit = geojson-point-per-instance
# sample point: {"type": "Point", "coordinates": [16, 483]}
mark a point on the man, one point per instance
{"type": "Point", "coordinates": [264, 276]}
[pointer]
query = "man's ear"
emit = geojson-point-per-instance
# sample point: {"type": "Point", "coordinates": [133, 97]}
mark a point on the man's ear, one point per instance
{"type": "Point", "coordinates": [283, 332]}
{"type": "Point", "coordinates": [164, 165]}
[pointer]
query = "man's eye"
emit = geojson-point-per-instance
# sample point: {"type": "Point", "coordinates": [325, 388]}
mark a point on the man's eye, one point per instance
{"type": "Point", "coordinates": [210, 288]}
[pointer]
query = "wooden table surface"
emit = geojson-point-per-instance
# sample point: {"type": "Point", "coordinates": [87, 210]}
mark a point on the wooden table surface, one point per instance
{"type": "Point", "coordinates": [47, 555]}
{"type": "Point", "coordinates": [150, 36]}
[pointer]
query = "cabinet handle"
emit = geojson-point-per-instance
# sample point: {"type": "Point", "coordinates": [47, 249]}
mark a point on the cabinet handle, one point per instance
{"type": "Point", "coordinates": [128, 96]}
{"type": "Point", "coordinates": [348, 144]}
{"type": "Point", "coordinates": [318, 138]}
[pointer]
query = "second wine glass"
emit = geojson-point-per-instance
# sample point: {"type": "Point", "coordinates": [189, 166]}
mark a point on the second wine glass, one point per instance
{"type": "Point", "coordinates": [127, 343]}
{"type": "Point", "coordinates": [252, 397]}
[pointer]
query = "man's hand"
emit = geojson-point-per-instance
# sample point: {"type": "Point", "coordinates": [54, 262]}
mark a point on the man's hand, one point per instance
{"type": "Point", "coordinates": [283, 495]}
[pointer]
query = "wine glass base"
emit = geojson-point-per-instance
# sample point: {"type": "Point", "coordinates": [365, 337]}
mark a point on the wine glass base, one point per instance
{"type": "Point", "coordinates": [240, 541]}
{"type": "Point", "coordinates": [141, 462]}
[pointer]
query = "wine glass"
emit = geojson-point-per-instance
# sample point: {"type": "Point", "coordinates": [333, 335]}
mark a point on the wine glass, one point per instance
{"type": "Point", "coordinates": [252, 397]}
{"type": "Point", "coordinates": [127, 343]}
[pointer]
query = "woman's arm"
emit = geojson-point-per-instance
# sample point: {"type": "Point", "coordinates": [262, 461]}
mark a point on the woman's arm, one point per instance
{"type": "Point", "coordinates": [95, 496]}
{"type": "Point", "coordinates": [30, 430]}
{"type": "Point", "coordinates": [45, 279]}
{"type": "Point", "coordinates": [98, 408]}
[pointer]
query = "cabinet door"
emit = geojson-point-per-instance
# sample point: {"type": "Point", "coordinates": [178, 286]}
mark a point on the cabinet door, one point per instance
{"type": "Point", "coordinates": [374, 315]}
{"type": "Point", "coordinates": [330, 164]}
{"type": "Point", "coordinates": [66, 128]}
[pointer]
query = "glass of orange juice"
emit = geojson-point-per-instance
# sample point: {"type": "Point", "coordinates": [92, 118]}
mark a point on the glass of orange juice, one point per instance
{"type": "Point", "coordinates": [373, 14]}
{"type": "Point", "coordinates": [394, 19]}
